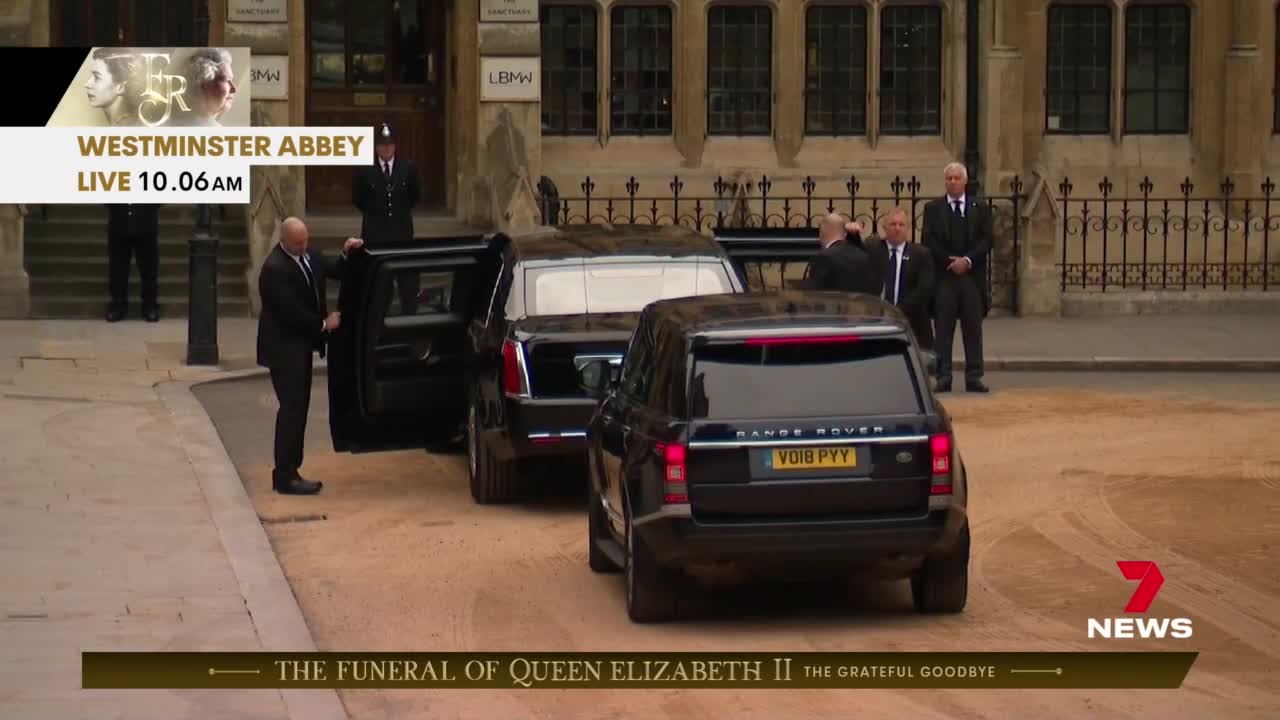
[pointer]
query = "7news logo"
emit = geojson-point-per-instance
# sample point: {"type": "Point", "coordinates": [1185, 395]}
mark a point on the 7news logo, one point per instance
{"type": "Point", "coordinates": [1149, 579]}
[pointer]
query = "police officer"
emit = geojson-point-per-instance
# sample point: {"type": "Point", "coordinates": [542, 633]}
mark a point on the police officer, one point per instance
{"type": "Point", "coordinates": [385, 193]}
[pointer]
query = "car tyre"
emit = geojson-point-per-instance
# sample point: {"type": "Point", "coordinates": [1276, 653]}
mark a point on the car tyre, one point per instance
{"type": "Point", "coordinates": [597, 530]}
{"type": "Point", "coordinates": [652, 590]}
{"type": "Point", "coordinates": [492, 480]}
{"type": "Point", "coordinates": [942, 584]}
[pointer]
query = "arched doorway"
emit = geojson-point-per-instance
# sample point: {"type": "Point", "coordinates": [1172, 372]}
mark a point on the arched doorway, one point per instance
{"type": "Point", "coordinates": [370, 61]}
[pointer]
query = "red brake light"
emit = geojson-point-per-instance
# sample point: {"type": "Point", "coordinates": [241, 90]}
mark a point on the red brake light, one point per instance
{"type": "Point", "coordinates": [802, 340]}
{"type": "Point", "coordinates": [940, 449]}
{"type": "Point", "coordinates": [512, 380]}
{"type": "Point", "coordinates": [675, 487]}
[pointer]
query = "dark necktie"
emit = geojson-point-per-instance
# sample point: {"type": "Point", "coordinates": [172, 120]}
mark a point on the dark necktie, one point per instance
{"type": "Point", "coordinates": [893, 273]}
{"type": "Point", "coordinates": [386, 170]}
{"type": "Point", "coordinates": [311, 280]}
{"type": "Point", "coordinates": [956, 204]}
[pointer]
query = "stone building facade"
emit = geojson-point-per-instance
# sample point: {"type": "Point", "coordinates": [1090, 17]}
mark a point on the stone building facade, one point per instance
{"type": "Point", "coordinates": [806, 93]}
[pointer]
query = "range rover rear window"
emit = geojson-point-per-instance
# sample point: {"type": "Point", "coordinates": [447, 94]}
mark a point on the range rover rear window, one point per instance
{"type": "Point", "coordinates": [803, 377]}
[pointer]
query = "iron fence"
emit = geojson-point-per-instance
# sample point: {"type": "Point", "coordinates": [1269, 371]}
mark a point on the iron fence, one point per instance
{"type": "Point", "coordinates": [1187, 241]}
{"type": "Point", "coordinates": [800, 204]}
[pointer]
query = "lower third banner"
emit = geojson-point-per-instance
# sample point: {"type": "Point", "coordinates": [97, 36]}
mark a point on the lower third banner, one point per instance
{"type": "Point", "coordinates": [140, 670]}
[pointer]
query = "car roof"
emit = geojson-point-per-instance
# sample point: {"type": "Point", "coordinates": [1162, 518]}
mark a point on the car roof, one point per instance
{"type": "Point", "coordinates": [778, 312]}
{"type": "Point", "coordinates": [589, 241]}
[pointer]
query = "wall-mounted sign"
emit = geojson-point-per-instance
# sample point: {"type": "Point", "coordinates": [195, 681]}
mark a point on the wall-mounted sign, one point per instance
{"type": "Point", "coordinates": [269, 77]}
{"type": "Point", "coordinates": [510, 79]}
{"type": "Point", "coordinates": [508, 10]}
{"type": "Point", "coordinates": [258, 10]}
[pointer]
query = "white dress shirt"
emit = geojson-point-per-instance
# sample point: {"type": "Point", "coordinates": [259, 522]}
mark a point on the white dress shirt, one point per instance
{"type": "Point", "coordinates": [964, 212]}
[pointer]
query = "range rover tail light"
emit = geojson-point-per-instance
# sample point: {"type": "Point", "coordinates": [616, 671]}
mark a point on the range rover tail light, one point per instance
{"type": "Point", "coordinates": [513, 384]}
{"type": "Point", "coordinates": [675, 487]}
{"type": "Point", "coordinates": [940, 452]}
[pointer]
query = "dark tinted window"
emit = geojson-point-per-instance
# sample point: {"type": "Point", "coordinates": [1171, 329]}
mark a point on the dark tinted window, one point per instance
{"type": "Point", "coordinates": [868, 377]}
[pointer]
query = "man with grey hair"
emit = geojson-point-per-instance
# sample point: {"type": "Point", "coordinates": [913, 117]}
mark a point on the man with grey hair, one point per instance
{"type": "Point", "coordinates": [293, 324]}
{"type": "Point", "coordinates": [957, 230]}
{"type": "Point", "coordinates": [843, 263]}
{"type": "Point", "coordinates": [211, 86]}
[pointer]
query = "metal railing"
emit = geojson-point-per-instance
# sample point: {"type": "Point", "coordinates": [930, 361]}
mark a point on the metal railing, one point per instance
{"type": "Point", "coordinates": [766, 203]}
{"type": "Point", "coordinates": [1185, 241]}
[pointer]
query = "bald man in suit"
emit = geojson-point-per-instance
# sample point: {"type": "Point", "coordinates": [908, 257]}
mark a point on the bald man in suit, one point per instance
{"type": "Point", "coordinates": [843, 263]}
{"type": "Point", "coordinates": [293, 325]}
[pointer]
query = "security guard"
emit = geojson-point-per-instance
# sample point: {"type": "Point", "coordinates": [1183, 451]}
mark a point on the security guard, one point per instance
{"type": "Point", "coordinates": [385, 193]}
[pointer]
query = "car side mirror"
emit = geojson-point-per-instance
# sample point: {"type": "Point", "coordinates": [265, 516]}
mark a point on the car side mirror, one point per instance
{"type": "Point", "coordinates": [599, 376]}
{"type": "Point", "coordinates": [930, 362]}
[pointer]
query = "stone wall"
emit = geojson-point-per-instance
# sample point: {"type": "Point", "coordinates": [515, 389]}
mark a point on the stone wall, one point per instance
{"type": "Point", "coordinates": [275, 192]}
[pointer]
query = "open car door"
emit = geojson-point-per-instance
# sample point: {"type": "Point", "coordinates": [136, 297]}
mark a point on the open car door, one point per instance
{"type": "Point", "coordinates": [397, 365]}
{"type": "Point", "coordinates": [770, 258]}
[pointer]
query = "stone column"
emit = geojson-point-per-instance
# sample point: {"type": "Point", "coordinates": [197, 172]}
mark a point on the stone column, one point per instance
{"type": "Point", "coordinates": [17, 29]}
{"type": "Point", "coordinates": [1003, 117]}
{"type": "Point", "coordinates": [788, 81]}
{"type": "Point", "coordinates": [275, 192]}
{"type": "Point", "coordinates": [15, 286]}
{"type": "Point", "coordinates": [690, 59]}
{"type": "Point", "coordinates": [1039, 278]}
{"type": "Point", "coordinates": [509, 134]}
{"type": "Point", "coordinates": [1246, 121]}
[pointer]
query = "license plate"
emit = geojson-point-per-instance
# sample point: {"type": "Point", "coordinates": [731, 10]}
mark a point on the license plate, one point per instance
{"type": "Point", "coordinates": [811, 458]}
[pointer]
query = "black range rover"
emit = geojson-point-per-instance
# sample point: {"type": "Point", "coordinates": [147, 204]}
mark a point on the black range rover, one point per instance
{"type": "Point", "coordinates": [494, 334]}
{"type": "Point", "coordinates": [784, 432]}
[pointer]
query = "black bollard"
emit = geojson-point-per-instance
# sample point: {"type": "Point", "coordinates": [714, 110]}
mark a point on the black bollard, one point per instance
{"type": "Point", "coordinates": [202, 309]}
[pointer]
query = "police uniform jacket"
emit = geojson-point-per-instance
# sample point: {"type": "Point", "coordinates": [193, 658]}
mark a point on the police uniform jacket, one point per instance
{"type": "Point", "coordinates": [386, 205]}
{"type": "Point", "coordinates": [133, 220]}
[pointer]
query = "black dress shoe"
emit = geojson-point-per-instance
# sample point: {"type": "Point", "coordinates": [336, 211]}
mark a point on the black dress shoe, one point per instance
{"type": "Point", "coordinates": [298, 486]}
{"type": "Point", "coordinates": [942, 386]}
{"type": "Point", "coordinates": [976, 386]}
{"type": "Point", "coordinates": [114, 315]}
{"type": "Point", "coordinates": [151, 314]}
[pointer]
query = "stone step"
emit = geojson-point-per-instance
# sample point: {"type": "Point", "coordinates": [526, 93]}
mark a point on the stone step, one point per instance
{"type": "Point", "coordinates": [96, 307]}
{"type": "Point", "coordinates": [98, 213]}
{"type": "Point", "coordinates": [95, 266]}
{"type": "Point", "coordinates": [51, 287]}
{"type": "Point", "coordinates": [89, 246]}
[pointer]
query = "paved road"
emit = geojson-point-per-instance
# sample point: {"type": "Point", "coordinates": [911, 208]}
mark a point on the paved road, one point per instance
{"type": "Point", "coordinates": [1071, 473]}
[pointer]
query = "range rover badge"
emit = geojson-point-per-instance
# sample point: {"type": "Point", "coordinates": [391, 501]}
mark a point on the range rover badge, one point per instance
{"type": "Point", "coordinates": [904, 457]}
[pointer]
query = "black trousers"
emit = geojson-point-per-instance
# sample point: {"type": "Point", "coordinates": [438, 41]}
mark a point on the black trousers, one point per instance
{"type": "Point", "coordinates": [921, 326]}
{"type": "Point", "coordinates": [291, 381]}
{"type": "Point", "coordinates": [121, 248]}
{"type": "Point", "coordinates": [958, 297]}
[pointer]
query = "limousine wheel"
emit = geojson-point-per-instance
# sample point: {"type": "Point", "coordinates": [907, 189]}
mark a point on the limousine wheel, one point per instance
{"type": "Point", "coordinates": [492, 481]}
{"type": "Point", "coordinates": [652, 591]}
{"type": "Point", "coordinates": [942, 585]}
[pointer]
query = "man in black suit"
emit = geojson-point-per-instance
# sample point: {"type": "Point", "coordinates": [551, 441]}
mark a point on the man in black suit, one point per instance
{"type": "Point", "coordinates": [957, 230]}
{"type": "Point", "coordinates": [293, 324]}
{"type": "Point", "coordinates": [909, 274]}
{"type": "Point", "coordinates": [843, 263]}
{"type": "Point", "coordinates": [386, 193]}
{"type": "Point", "coordinates": [133, 230]}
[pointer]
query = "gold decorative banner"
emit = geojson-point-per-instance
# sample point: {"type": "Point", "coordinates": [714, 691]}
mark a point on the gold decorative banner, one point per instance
{"type": "Point", "coordinates": [561, 670]}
